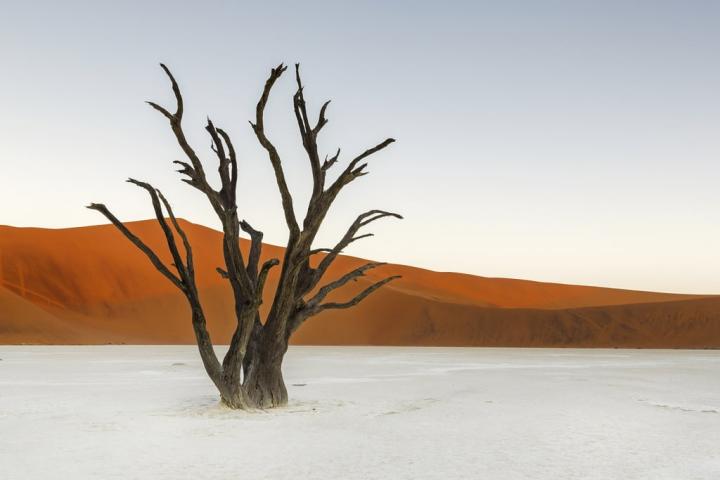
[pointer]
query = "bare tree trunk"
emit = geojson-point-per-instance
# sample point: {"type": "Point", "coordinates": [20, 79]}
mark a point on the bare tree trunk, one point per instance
{"type": "Point", "coordinates": [250, 375]}
{"type": "Point", "coordinates": [264, 386]}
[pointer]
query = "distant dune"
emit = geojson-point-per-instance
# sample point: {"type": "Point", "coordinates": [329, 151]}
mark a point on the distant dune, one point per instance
{"type": "Point", "coordinates": [90, 285]}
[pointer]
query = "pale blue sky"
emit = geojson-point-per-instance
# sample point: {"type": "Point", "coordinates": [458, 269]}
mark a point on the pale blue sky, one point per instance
{"type": "Point", "coordinates": [570, 141]}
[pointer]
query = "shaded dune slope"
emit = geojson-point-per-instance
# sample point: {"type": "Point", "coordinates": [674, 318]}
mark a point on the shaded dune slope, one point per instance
{"type": "Point", "coordinates": [90, 285]}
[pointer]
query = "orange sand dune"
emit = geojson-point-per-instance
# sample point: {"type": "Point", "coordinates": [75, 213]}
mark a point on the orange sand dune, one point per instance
{"type": "Point", "coordinates": [90, 285]}
{"type": "Point", "coordinates": [22, 321]}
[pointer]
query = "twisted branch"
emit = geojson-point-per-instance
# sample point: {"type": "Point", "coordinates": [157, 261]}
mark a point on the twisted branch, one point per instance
{"type": "Point", "coordinates": [154, 259]}
{"type": "Point", "coordinates": [259, 129]}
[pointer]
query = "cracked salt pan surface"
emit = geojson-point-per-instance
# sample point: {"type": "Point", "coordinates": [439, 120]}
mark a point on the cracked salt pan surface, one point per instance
{"type": "Point", "coordinates": [364, 413]}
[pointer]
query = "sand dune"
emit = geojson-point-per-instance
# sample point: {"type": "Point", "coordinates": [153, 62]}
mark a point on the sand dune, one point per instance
{"type": "Point", "coordinates": [21, 321]}
{"type": "Point", "coordinates": [90, 285]}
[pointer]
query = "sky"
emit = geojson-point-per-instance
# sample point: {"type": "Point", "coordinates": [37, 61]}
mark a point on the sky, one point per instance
{"type": "Point", "coordinates": [566, 141]}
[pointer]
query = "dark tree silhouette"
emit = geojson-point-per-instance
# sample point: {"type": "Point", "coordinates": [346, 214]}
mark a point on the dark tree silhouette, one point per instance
{"type": "Point", "coordinates": [250, 374]}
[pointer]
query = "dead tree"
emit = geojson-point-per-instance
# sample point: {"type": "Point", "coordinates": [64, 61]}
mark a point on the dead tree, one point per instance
{"type": "Point", "coordinates": [250, 374]}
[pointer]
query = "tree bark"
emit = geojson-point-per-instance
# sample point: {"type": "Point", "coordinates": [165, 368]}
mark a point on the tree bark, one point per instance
{"type": "Point", "coordinates": [265, 386]}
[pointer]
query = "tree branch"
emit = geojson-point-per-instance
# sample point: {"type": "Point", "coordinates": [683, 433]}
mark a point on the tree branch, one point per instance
{"type": "Point", "coordinates": [169, 237]}
{"type": "Point", "coordinates": [262, 276]}
{"type": "Point", "coordinates": [359, 297]}
{"type": "Point", "coordinates": [352, 171]}
{"type": "Point", "coordinates": [194, 170]}
{"type": "Point", "coordinates": [320, 203]}
{"type": "Point", "coordinates": [189, 264]}
{"type": "Point", "coordinates": [309, 137]}
{"type": "Point", "coordinates": [256, 237]}
{"type": "Point", "coordinates": [352, 275]}
{"type": "Point", "coordinates": [227, 191]}
{"type": "Point", "coordinates": [349, 237]}
{"type": "Point", "coordinates": [322, 121]}
{"type": "Point", "coordinates": [232, 191]}
{"type": "Point", "coordinates": [154, 259]}
{"type": "Point", "coordinates": [259, 129]}
{"type": "Point", "coordinates": [330, 162]}
{"type": "Point", "coordinates": [307, 310]}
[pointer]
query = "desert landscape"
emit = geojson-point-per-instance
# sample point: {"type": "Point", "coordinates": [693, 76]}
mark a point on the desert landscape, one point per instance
{"type": "Point", "coordinates": [88, 285]}
{"type": "Point", "coordinates": [362, 240]}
